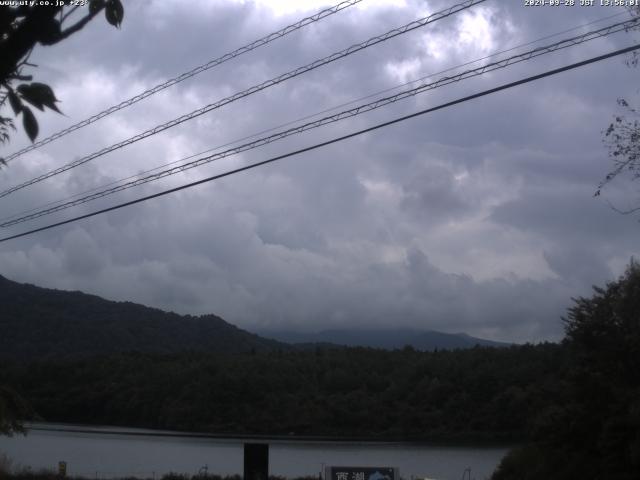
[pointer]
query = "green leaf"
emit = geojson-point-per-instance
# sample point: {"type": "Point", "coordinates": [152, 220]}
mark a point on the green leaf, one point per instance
{"type": "Point", "coordinates": [39, 95]}
{"type": "Point", "coordinates": [30, 96]}
{"type": "Point", "coordinates": [49, 32]}
{"type": "Point", "coordinates": [114, 12]}
{"type": "Point", "coordinates": [14, 101]}
{"type": "Point", "coordinates": [30, 123]}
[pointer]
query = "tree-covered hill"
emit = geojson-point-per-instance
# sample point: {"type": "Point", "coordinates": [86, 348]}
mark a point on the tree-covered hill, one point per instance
{"type": "Point", "coordinates": [37, 323]}
{"type": "Point", "coordinates": [40, 323]}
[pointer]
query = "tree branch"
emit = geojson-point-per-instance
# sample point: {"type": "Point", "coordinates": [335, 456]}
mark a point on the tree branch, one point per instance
{"type": "Point", "coordinates": [24, 38]}
{"type": "Point", "coordinates": [79, 25]}
{"type": "Point", "coordinates": [623, 212]}
{"type": "Point", "coordinates": [70, 12]}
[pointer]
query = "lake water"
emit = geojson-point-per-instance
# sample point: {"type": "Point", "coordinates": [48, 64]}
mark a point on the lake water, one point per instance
{"type": "Point", "coordinates": [142, 453]}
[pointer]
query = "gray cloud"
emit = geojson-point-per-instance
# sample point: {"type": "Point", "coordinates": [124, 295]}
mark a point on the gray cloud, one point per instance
{"type": "Point", "coordinates": [479, 218]}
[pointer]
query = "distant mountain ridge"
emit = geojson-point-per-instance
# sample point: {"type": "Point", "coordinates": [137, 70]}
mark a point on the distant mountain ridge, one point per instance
{"type": "Point", "coordinates": [40, 323]}
{"type": "Point", "coordinates": [389, 339]}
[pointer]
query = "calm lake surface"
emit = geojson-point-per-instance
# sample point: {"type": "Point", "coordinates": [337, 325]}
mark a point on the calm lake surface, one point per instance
{"type": "Point", "coordinates": [140, 453]}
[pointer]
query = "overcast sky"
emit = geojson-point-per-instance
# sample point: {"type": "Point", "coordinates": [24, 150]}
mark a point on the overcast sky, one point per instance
{"type": "Point", "coordinates": [479, 218]}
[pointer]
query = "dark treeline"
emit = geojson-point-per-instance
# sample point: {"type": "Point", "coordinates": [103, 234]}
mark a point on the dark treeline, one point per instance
{"type": "Point", "coordinates": [591, 431]}
{"type": "Point", "coordinates": [481, 394]}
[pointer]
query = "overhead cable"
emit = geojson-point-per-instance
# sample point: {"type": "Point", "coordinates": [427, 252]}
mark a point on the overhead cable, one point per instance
{"type": "Point", "coordinates": [256, 88]}
{"type": "Point", "coordinates": [307, 117]}
{"type": "Point", "coordinates": [330, 142]}
{"type": "Point", "coordinates": [191, 73]}
{"type": "Point", "coordinates": [333, 118]}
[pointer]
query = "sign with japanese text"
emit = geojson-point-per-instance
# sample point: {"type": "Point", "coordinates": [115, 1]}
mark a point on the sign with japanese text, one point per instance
{"type": "Point", "coordinates": [361, 473]}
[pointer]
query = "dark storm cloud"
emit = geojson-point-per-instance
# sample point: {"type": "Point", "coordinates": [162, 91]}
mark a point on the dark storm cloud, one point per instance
{"type": "Point", "coordinates": [478, 218]}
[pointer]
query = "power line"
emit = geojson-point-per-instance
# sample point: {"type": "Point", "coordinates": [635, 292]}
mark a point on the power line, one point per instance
{"type": "Point", "coordinates": [256, 88]}
{"type": "Point", "coordinates": [306, 117]}
{"type": "Point", "coordinates": [333, 118]}
{"type": "Point", "coordinates": [332, 141]}
{"type": "Point", "coordinates": [191, 73]}
{"type": "Point", "coordinates": [525, 56]}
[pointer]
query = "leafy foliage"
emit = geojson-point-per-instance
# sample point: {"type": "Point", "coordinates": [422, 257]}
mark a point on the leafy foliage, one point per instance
{"type": "Point", "coordinates": [21, 29]}
{"type": "Point", "coordinates": [114, 12]}
{"type": "Point", "coordinates": [594, 430]}
{"type": "Point", "coordinates": [39, 95]}
{"type": "Point", "coordinates": [12, 410]}
{"type": "Point", "coordinates": [622, 136]}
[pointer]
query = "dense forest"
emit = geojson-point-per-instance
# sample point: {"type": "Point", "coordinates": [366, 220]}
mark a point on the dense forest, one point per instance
{"type": "Point", "coordinates": [478, 394]}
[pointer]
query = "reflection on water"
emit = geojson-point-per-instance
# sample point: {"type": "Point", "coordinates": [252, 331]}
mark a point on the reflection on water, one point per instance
{"type": "Point", "coordinates": [95, 454]}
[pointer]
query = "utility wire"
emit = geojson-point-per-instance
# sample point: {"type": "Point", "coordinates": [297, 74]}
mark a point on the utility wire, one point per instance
{"type": "Point", "coordinates": [191, 73]}
{"type": "Point", "coordinates": [256, 88]}
{"type": "Point", "coordinates": [306, 117]}
{"type": "Point", "coordinates": [334, 118]}
{"type": "Point", "coordinates": [332, 141]}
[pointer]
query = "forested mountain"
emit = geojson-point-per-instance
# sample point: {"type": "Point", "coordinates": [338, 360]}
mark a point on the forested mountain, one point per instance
{"type": "Point", "coordinates": [39, 323]}
{"type": "Point", "coordinates": [426, 340]}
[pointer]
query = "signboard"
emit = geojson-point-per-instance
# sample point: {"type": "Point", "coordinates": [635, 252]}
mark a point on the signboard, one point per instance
{"type": "Point", "coordinates": [361, 473]}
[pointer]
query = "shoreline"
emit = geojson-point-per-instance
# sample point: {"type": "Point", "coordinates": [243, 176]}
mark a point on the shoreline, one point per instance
{"type": "Point", "coordinates": [261, 438]}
